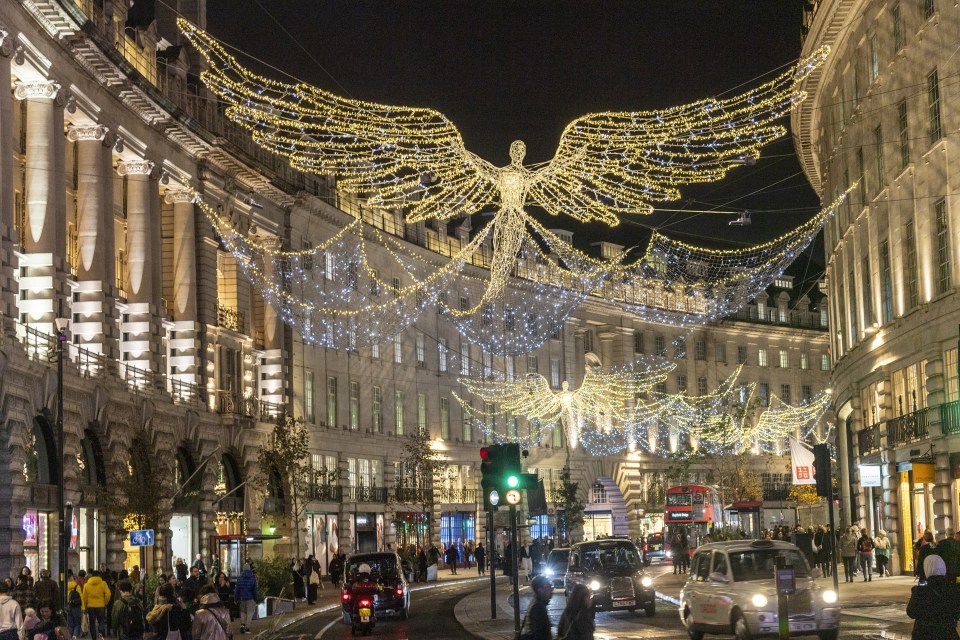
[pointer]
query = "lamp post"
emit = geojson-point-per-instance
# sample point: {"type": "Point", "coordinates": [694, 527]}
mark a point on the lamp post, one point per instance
{"type": "Point", "coordinates": [62, 542]}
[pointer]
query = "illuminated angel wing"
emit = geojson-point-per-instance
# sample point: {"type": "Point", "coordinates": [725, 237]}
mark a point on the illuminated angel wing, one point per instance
{"type": "Point", "coordinates": [400, 157]}
{"type": "Point", "coordinates": [617, 390]}
{"type": "Point", "coordinates": [779, 422]}
{"type": "Point", "coordinates": [529, 396]}
{"type": "Point", "coordinates": [613, 163]}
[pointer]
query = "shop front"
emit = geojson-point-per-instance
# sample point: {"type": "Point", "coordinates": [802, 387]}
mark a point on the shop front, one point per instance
{"type": "Point", "coordinates": [457, 528]}
{"type": "Point", "coordinates": [916, 506]}
{"type": "Point", "coordinates": [36, 526]}
{"type": "Point", "coordinates": [368, 532]}
{"type": "Point", "coordinates": [323, 537]}
{"type": "Point", "coordinates": [409, 528]}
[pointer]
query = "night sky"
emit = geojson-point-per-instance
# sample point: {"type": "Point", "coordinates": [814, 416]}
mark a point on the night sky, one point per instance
{"type": "Point", "coordinates": [522, 69]}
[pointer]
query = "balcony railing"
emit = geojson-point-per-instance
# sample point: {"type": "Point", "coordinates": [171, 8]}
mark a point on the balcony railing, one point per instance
{"type": "Point", "coordinates": [868, 440]}
{"type": "Point", "coordinates": [908, 428]}
{"type": "Point", "coordinates": [950, 418]}
{"type": "Point", "coordinates": [325, 493]}
{"type": "Point", "coordinates": [368, 494]}
{"type": "Point", "coordinates": [409, 494]}
{"type": "Point", "coordinates": [230, 319]}
{"type": "Point", "coordinates": [458, 496]}
{"type": "Point", "coordinates": [776, 491]}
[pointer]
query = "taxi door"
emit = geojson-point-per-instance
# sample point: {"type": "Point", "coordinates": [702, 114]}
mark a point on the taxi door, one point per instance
{"type": "Point", "coordinates": [699, 588]}
{"type": "Point", "coordinates": [721, 588]}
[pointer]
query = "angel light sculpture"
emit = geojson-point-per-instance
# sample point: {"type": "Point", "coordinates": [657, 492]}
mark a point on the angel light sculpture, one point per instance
{"type": "Point", "coordinates": [414, 159]}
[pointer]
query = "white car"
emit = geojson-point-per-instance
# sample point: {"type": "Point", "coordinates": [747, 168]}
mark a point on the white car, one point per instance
{"type": "Point", "coordinates": [732, 590]}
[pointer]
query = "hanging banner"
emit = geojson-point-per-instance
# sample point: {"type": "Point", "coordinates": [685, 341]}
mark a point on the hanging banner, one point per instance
{"type": "Point", "coordinates": [801, 462]}
{"type": "Point", "coordinates": [923, 473]}
{"type": "Point", "coordinates": [870, 475]}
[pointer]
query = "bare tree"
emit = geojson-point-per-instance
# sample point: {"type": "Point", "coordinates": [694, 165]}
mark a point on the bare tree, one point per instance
{"type": "Point", "coordinates": [421, 464]}
{"type": "Point", "coordinates": [569, 504]}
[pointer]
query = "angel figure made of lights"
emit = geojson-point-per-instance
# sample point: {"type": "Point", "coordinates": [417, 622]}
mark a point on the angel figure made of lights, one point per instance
{"type": "Point", "coordinates": [414, 159]}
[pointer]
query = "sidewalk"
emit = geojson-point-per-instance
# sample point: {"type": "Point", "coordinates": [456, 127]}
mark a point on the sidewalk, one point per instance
{"type": "Point", "coordinates": [329, 600]}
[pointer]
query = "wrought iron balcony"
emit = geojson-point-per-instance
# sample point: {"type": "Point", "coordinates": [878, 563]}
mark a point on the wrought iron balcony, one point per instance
{"type": "Point", "coordinates": [325, 493]}
{"type": "Point", "coordinates": [950, 418]}
{"type": "Point", "coordinates": [368, 494]}
{"type": "Point", "coordinates": [409, 494]}
{"type": "Point", "coordinates": [868, 440]}
{"type": "Point", "coordinates": [908, 428]}
{"type": "Point", "coordinates": [458, 496]}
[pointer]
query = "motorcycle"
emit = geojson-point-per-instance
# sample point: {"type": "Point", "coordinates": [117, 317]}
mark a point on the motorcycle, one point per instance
{"type": "Point", "coordinates": [363, 615]}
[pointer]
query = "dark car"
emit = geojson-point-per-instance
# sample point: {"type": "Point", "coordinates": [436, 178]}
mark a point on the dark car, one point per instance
{"type": "Point", "coordinates": [653, 548]}
{"type": "Point", "coordinates": [385, 568]}
{"type": "Point", "coordinates": [613, 570]}
{"type": "Point", "coordinates": [555, 566]}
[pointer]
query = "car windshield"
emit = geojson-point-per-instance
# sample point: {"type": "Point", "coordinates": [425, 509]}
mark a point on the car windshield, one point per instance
{"type": "Point", "coordinates": [382, 567]}
{"type": "Point", "coordinates": [759, 564]}
{"type": "Point", "coordinates": [559, 557]}
{"type": "Point", "coordinates": [610, 556]}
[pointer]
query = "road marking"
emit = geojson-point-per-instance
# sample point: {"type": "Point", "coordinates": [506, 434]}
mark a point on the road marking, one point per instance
{"type": "Point", "coordinates": [324, 630]}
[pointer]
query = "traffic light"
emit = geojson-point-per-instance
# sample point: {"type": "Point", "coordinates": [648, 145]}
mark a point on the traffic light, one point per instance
{"type": "Point", "coordinates": [490, 469]}
{"type": "Point", "coordinates": [510, 468]}
{"type": "Point", "coordinates": [823, 473]}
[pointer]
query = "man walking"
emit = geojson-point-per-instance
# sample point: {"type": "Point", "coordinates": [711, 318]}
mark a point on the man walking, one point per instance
{"type": "Point", "coordinates": [10, 616]}
{"type": "Point", "coordinates": [127, 615]}
{"type": "Point", "coordinates": [47, 590]}
{"type": "Point", "coordinates": [481, 555]}
{"type": "Point", "coordinates": [451, 558]}
{"type": "Point", "coordinates": [536, 624]}
{"type": "Point", "coordinates": [247, 594]}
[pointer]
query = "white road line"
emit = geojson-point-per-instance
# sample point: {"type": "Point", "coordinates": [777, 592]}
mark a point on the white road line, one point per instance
{"type": "Point", "coordinates": [324, 630]}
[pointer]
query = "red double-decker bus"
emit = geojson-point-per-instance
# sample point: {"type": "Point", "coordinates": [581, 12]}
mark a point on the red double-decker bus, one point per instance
{"type": "Point", "coordinates": [692, 509]}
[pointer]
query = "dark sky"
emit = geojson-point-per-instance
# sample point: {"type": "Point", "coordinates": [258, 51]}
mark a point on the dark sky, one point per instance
{"type": "Point", "coordinates": [522, 69]}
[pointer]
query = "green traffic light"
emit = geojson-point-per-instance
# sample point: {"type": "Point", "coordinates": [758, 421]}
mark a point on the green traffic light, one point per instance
{"type": "Point", "coordinates": [513, 482]}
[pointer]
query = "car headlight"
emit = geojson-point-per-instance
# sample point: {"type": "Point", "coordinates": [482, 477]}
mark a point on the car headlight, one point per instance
{"type": "Point", "coordinates": [646, 581]}
{"type": "Point", "coordinates": [829, 596]}
{"type": "Point", "coordinates": [669, 554]}
{"type": "Point", "coordinates": [759, 600]}
{"type": "Point", "coordinates": [548, 571]}
{"type": "Point", "coordinates": [594, 585]}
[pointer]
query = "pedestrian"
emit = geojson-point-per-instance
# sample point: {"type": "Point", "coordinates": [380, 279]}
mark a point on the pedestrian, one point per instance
{"type": "Point", "coordinates": [24, 589]}
{"type": "Point", "coordinates": [684, 553]}
{"type": "Point", "coordinates": [481, 556]}
{"type": "Point", "coordinates": [225, 592]}
{"type": "Point", "coordinates": [848, 551]}
{"type": "Point", "coordinates": [675, 551]}
{"type": "Point", "coordinates": [212, 621]}
{"type": "Point", "coordinates": [74, 606]}
{"type": "Point", "coordinates": [576, 622]}
{"type": "Point", "coordinates": [948, 550]}
{"type": "Point", "coordinates": [317, 571]}
{"type": "Point", "coordinates": [96, 595]}
{"type": "Point", "coordinates": [181, 570]}
{"type": "Point", "coordinates": [30, 620]}
{"type": "Point", "coordinates": [247, 595]}
{"type": "Point", "coordinates": [865, 551]}
{"type": "Point", "coordinates": [168, 614]}
{"type": "Point", "coordinates": [202, 568]}
{"type": "Point", "coordinates": [451, 559]}
{"type": "Point", "coordinates": [195, 581]}
{"type": "Point", "coordinates": [508, 559]}
{"type": "Point", "coordinates": [881, 549]}
{"type": "Point", "coordinates": [525, 566]}
{"type": "Point", "coordinates": [935, 604]}
{"type": "Point", "coordinates": [49, 623]}
{"type": "Point", "coordinates": [47, 590]}
{"type": "Point", "coordinates": [110, 578]}
{"type": "Point", "coordinates": [422, 565]}
{"type": "Point", "coordinates": [536, 623]}
{"type": "Point", "coordinates": [135, 579]}
{"type": "Point", "coordinates": [314, 583]}
{"type": "Point", "coordinates": [127, 619]}
{"type": "Point", "coordinates": [927, 547]}
{"type": "Point", "coordinates": [301, 577]}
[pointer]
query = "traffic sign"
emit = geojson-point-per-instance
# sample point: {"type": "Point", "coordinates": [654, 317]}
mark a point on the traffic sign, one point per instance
{"type": "Point", "coordinates": [141, 538]}
{"type": "Point", "coordinates": [513, 496]}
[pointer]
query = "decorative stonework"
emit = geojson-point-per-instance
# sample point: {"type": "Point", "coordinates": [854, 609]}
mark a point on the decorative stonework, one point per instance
{"type": "Point", "coordinates": [135, 168]}
{"type": "Point", "coordinates": [95, 132]}
{"type": "Point", "coordinates": [175, 196]}
{"type": "Point", "coordinates": [40, 90]}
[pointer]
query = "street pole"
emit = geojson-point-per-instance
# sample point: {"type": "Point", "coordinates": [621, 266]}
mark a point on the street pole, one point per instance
{"type": "Point", "coordinates": [62, 542]}
{"type": "Point", "coordinates": [515, 568]}
{"type": "Point", "coordinates": [491, 557]}
{"type": "Point", "coordinates": [833, 542]}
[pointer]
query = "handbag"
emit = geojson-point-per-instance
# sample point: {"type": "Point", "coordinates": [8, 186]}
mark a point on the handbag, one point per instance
{"type": "Point", "coordinates": [84, 623]}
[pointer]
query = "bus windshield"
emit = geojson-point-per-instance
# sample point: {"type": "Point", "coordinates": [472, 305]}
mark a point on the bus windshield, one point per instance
{"type": "Point", "coordinates": [679, 499]}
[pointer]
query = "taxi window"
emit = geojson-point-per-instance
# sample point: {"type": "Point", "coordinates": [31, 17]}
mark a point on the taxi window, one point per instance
{"type": "Point", "coordinates": [702, 569]}
{"type": "Point", "coordinates": [759, 564]}
{"type": "Point", "coordinates": [719, 563]}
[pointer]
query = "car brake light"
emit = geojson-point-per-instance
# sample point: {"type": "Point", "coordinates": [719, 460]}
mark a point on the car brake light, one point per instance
{"type": "Point", "coordinates": [399, 591]}
{"type": "Point", "coordinates": [345, 596]}
{"type": "Point", "coordinates": [646, 547]}
{"type": "Point", "coordinates": [364, 603]}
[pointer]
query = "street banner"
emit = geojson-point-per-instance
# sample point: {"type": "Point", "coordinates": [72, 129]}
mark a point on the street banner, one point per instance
{"type": "Point", "coordinates": [801, 461]}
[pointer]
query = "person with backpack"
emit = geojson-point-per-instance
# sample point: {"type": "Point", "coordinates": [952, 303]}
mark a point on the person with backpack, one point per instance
{"type": "Point", "coordinates": [74, 606]}
{"type": "Point", "coordinates": [247, 594]}
{"type": "Point", "coordinates": [127, 613]}
{"type": "Point", "coordinates": [865, 550]}
{"type": "Point", "coordinates": [212, 621]}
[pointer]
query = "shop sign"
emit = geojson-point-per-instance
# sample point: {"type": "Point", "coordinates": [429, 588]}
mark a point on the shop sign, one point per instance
{"type": "Point", "coordinates": [923, 473]}
{"type": "Point", "coordinates": [870, 475]}
{"type": "Point", "coordinates": [363, 521]}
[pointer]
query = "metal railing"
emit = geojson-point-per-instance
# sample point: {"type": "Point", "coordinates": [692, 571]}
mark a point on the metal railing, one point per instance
{"type": "Point", "coordinates": [458, 496]}
{"type": "Point", "coordinates": [868, 440]}
{"type": "Point", "coordinates": [950, 418]}
{"type": "Point", "coordinates": [908, 428]}
{"type": "Point", "coordinates": [409, 494]}
{"type": "Point", "coordinates": [325, 493]}
{"type": "Point", "coordinates": [368, 494]}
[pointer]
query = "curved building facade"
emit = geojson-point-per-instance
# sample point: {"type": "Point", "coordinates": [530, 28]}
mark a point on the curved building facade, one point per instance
{"type": "Point", "coordinates": [882, 114]}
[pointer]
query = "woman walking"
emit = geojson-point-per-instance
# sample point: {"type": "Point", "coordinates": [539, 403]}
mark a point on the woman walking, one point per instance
{"type": "Point", "coordinates": [881, 548]}
{"type": "Point", "coordinates": [848, 551]}
{"type": "Point", "coordinates": [935, 604]}
{"type": "Point", "coordinates": [576, 622]}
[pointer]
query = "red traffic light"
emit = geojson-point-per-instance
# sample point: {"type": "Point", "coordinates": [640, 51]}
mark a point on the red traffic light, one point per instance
{"type": "Point", "coordinates": [484, 454]}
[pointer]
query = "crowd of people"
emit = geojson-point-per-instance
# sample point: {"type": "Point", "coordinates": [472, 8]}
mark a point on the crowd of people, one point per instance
{"type": "Point", "coordinates": [103, 603]}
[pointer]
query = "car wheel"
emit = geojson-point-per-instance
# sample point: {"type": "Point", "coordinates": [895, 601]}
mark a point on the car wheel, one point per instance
{"type": "Point", "coordinates": [688, 623]}
{"type": "Point", "coordinates": [830, 634]}
{"type": "Point", "coordinates": [346, 617]}
{"type": "Point", "coordinates": [404, 613]}
{"type": "Point", "coordinates": [740, 628]}
{"type": "Point", "coordinates": [650, 610]}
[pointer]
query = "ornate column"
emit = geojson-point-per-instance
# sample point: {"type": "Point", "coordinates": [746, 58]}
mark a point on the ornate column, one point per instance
{"type": "Point", "coordinates": [271, 369]}
{"type": "Point", "coordinates": [43, 235]}
{"type": "Point", "coordinates": [93, 307]}
{"type": "Point", "coordinates": [140, 326]}
{"type": "Point", "coordinates": [8, 235]}
{"type": "Point", "coordinates": [936, 395]}
{"type": "Point", "coordinates": [184, 343]}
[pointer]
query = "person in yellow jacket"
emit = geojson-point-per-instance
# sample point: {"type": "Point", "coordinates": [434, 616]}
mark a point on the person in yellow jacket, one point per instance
{"type": "Point", "coordinates": [96, 595]}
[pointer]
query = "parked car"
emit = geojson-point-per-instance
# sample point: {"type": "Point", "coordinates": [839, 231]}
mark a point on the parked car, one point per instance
{"type": "Point", "coordinates": [385, 568]}
{"type": "Point", "coordinates": [555, 566]}
{"type": "Point", "coordinates": [732, 590]}
{"type": "Point", "coordinates": [613, 570]}
{"type": "Point", "coordinates": [653, 548]}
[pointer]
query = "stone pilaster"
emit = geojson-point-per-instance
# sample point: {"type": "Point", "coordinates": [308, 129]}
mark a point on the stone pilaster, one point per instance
{"type": "Point", "coordinates": [43, 235]}
{"type": "Point", "coordinates": [8, 235]}
{"type": "Point", "coordinates": [140, 326]}
{"type": "Point", "coordinates": [272, 373]}
{"type": "Point", "coordinates": [93, 307]}
{"type": "Point", "coordinates": [185, 339]}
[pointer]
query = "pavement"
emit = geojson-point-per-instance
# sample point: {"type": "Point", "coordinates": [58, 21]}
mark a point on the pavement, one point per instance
{"type": "Point", "coordinates": [883, 601]}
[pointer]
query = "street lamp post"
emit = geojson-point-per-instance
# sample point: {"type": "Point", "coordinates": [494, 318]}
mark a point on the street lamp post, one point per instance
{"type": "Point", "coordinates": [62, 544]}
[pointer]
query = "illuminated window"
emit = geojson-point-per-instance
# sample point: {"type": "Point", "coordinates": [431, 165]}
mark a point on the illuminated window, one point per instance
{"type": "Point", "coordinates": [308, 396]}
{"type": "Point", "coordinates": [422, 413]}
{"type": "Point", "coordinates": [376, 409]}
{"type": "Point", "coordinates": [398, 400]}
{"type": "Point", "coordinates": [910, 257]}
{"type": "Point", "coordinates": [784, 359]}
{"type": "Point", "coordinates": [762, 357]}
{"type": "Point", "coordinates": [445, 418]}
{"type": "Point", "coordinates": [331, 401]}
{"type": "Point", "coordinates": [943, 247]}
{"type": "Point", "coordinates": [555, 373]}
{"type": "Point", "coordinates": [933, 106]}
{"type": "Point", "coordinates": [442, 353]}
{"type": "Point", "coordinates": [354, 406]}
